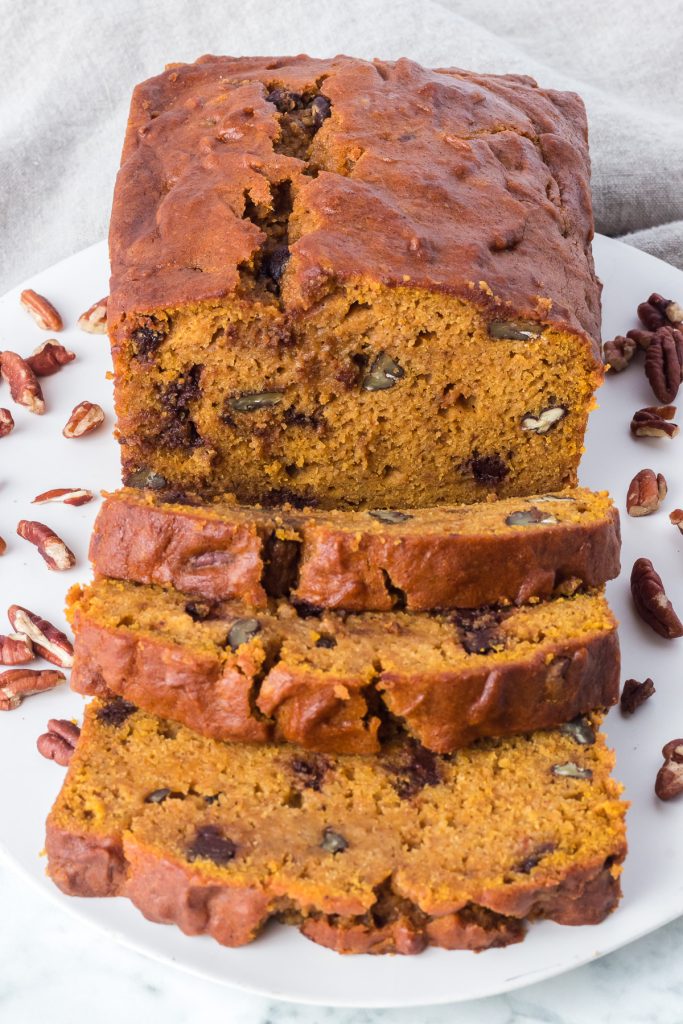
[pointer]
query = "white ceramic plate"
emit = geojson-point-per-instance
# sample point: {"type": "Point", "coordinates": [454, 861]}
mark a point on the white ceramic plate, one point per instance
{"type": "Point", "coordinates": [282, 963]}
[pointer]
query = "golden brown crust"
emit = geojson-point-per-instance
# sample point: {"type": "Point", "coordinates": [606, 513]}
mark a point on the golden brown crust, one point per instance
{"type": "Point", "coordinates": [169, 892]}
{"type": "Point", "coordinates": [84, 865]}
{"type": "Point", "coordinates": [216, 558]}
{"type": "Point", "coordinates": [341, 711]}
{"type": "Point", "coordinates": [355, 563]}
{"type": "Point", "coordinates": [168, 679]}
{"type": "Point", "coordinates": [478, 148]}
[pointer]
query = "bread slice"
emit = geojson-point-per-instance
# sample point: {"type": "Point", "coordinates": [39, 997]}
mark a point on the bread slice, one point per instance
{"type": "Point", "coordinates": [353, 283]}
{"type": "Point", "coordinates": [341, 683]}
{"type": "Point", "coordinates": [462, 556]}
{"type": "Point", "coordinates": [373, 855]}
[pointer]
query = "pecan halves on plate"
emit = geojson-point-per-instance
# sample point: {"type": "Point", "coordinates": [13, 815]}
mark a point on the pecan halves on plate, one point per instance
{"type": "Point", "coordinates": [658, 311]}
{"type": "Point", "coordinates": [663, 361]}
{"type": "Point", "coordinates": [94, 320]}
{"type": "Point", "coordinates": [6, 422]}
{"type": "Point", "coordinates": [48, 641]}
{"type": "Point", "coordinates": [17, 683]}
{"type": "Point", "coordinates": [651, 602]}
{"type": "Point", "coordinates": [59, 742]}
{"type": "Point", "coordinates": [619, 352]}
{"type": "Point", "coordinates": [85, 417]}
{"type": "Point", "coordinates": [669, 782]}
{"type": "Point", "coordinates": [65, 496]}
{"type": "Point", "coordinates": [635, 694]}
{"type": "Point", "coordinates": [51, 547]}
{"type": "Point", "coordinates": [41, 309]}
{"type": "Point", "coordinates": [676, 518]}
{"type": "Point", "coordinates": [23, 383]}
{"type": "Point", "coordinates": [646, 492]}
{"type": "Point", "coordinates": [16, 649]}
{"type": "Point", "coordinates": [48, 358]}
{"type": "Point", "coordinates": [654, 421]}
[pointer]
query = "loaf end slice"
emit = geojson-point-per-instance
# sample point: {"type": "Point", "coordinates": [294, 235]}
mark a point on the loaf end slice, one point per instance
{"type": "Point", "coordinates": [328, 273]}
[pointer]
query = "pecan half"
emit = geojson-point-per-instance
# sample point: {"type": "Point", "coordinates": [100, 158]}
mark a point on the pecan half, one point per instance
{"type": "Point", "coordinates": [6, 422]}
{"type": "Point", "coordinates": [676, 518]}
{"type": "Point", "coordinates": [64, 495]}
{"type": "Point", "coordinates": [654, 421]}
{"type": "Point", "coordinates": [49, 357]}
{"type": "Point", "coordinates": [669, 782]}
{"type": "Point", "coordinates": [48, 641]}
{"type": "Point", "coordinates": [23, 383]}
{"type": "Point", "coordinates": [641, 338]}
{"type": "Point", "coordinates": [619, 352]}
{"type": "Point", "coordinates": [51, 547]}
{"type": "Point", "coordinates": [59, 742]}
{"type": "Point", "coordinates": [16, 649]}
{"type": "Point", "coordinates": [645, 493]}
{"type": "Point", "coordinates": [651, 601]}
{"type": "Point", "coordinates": [658, 311]}
{"type": "Point", "coordinates": [663, 361]}
{"type": "Point", "coordinates": [17, 683]}
{"type": "Point", "coordinates": [3, 546]}
{"type": "Point", "coordinates": [85, 417]}
{"type": "Point", "coordinates": [634, 694]}
{"type": "Point", "coordinates": [41, 309]}
{"type": "Point", "coordinates": [546, 420]}
{"type": "Point", "coordinates": [94, 320]}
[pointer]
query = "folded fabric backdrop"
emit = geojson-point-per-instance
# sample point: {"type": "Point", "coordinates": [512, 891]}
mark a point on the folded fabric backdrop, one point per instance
{"type": "Point", "coordinates": [68, 71]}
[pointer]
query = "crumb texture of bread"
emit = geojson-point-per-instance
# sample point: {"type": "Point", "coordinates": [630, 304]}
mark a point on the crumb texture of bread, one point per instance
{"type": "Point", "coordinates": [327, 274]}
{"type": "Point", "coordinates": [218, 838]}
{"type": "Point", "coordinates": [345, 683]}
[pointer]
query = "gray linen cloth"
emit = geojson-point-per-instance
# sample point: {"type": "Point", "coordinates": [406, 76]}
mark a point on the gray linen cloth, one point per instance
{"type": "Point", "coordinates": [67, 70]}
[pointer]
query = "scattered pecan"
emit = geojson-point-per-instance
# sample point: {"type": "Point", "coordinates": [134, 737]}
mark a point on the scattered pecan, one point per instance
{"type": "Point", "coordinates": [49, 357]}
{"type": "Point", "coordinates": [663, 362]}
{"type": "Point", "coordinates": [651, 601]}
{"type": "Point", "coordinates": [634, 694]}
{"type": "Point", "coordinates": [654, 421]}
{"type": "Point", "coordinates": [48, 641]}
{"type": "Point", "coordinates": [669, 782]}
{"type": "Point", "coordinates": [16, 649]}
{"type": "Point", "coordinates": [676, 517]}
{"type": "Point", "coordinates": [645, 493]}
{"type": "Point", "coordinates": [6, 422]}
{"type": "Point", "coordinates": [17, 683]}
{"type": "Point", "coordinates": [641, 338]}
{"type": "Point", "coordinates": [658, 311]}
{"type": "Point", "coordinates": [94, 320]}
{"type": "Point", "coordinates": [85, 417]}
{"type": "Point", "coordinates": [619, 352]}
{"type": "Point", "coordinates": [41, 309]}
{"type": "Point", "coordinates": [51, 547]}
{"type": "Point", "coordinates": [3, 546]}
{"type": "Point", "coordinates": [59, 742]}
{"type": "Point", "coordinates": [65, 495]}
{"type": "Point", "coordinates": [23, 383]}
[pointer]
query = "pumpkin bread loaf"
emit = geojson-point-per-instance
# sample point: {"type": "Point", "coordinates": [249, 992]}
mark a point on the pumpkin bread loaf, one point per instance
{"type": "Point", "coordinates": [340, 683]}
{"type": "Point", "coordinates": [352, 284]}
{"type": "Point", "coordinates": [465, 556]}
{"type": "Point", "coordinates": [218, 838]}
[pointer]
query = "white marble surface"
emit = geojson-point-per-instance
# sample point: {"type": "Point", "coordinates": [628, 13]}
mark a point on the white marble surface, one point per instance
{"type": "Point", "coordinates": [54, 969]}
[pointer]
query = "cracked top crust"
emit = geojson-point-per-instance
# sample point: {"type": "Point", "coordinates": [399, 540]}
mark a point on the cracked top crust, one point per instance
{"type": "Point", "coordinates": [442, 179]}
